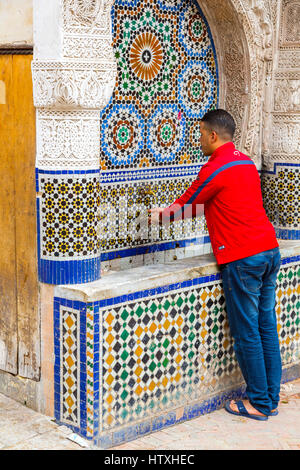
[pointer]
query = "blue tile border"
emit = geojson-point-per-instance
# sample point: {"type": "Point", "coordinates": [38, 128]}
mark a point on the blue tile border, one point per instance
{"type": "Point", "coordinates": [293, 259]}
{"type": "Point", "coordinates": [279, 164]}
{"type": "Point", "coordinates": [96, 371]}
{"type": "Point", "coordinates": [287, 234]}
{"type": "Point", "coordinates": [56, 324]}
{"type": "Point", "coordinates": [69, 272]}
{"type": "Point", "coordinates": [171, 287]}
{"type": "Point", "coordinates": [145, 249]}
{"type": "Point", "coordinates": [66, 172]}
{"type": "Point", "coordinates": [117, 176]}
{"type": "Point", "coordinates": [38, 239]}
{"type": "Point", "coordinates": [81, 307]}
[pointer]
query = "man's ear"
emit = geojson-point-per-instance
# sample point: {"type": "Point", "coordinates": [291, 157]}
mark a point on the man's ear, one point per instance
{"type": "Point", "coordinates": [214, 137]}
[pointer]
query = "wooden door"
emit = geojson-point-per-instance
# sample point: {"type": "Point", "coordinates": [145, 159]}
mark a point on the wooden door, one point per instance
{"type": "Point", "coordinates": [19, 313]}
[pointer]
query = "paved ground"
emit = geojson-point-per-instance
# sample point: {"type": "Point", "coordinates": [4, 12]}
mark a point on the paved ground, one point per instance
{"type": "Point", "coordinates": [24, 429]}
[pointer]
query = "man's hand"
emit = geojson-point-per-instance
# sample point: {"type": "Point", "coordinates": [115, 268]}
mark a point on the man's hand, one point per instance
{"type": "Point", "coordinates": [154, 215]}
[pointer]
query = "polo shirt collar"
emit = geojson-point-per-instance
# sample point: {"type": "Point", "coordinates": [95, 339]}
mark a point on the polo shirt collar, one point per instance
{"type": "Point", "coordinates": [228, 147]}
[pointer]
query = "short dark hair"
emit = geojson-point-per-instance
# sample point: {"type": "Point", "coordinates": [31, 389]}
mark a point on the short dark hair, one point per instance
{"type": "Point", "coordinates": [221, 122]}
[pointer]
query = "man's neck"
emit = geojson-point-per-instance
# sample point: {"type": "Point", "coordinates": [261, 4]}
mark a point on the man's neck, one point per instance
{"type": "Point", "coordinates": [220, 143]}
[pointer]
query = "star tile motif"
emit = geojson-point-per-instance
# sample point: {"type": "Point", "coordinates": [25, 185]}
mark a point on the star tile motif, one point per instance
{"type": "Point", "coordinates": [158, 352]}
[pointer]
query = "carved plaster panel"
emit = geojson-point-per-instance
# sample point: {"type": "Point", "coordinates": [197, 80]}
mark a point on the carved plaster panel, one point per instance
{"type": "Point", "coordinates": [290, 24]}
{"type": "Point", "coordinates": [83, 76]}
{"type": "Point", "coordinates": [72, 84]}
{"type": "Point", "coordinates": [289, 59]}
{"type": "Point", "coordinates": [87, 29]}
{"type": "Point", "coordinates": [233, 60]}
{"type": "Point", "coordinates": [82, 16]}
{"type": "Point", "coordinates": [286, 138]}
{"type": "Point", "coordinates": [68, 139]}
{"type": "Point", "coordinates": [273, 9]}
{"type": "Point", "coordinates": [260, 15]}
{"type": "Point", "coordinates": [88, 47]}
{"type": "Point", "coordinates": [287, 92]}
{"type": "Point", "coordinates": [286, 103]}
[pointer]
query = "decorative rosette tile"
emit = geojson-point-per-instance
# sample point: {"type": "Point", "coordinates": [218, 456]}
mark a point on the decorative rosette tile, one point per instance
{"type": "Point", "coordinates": [193, 32]}
{"type": "Point", "coordinates": [146, 57]}
{"type": "Point", "coordinates": [123, 134]}
{"type": "Point", "coordinates": [166, 132]}
{"type": "Point", "coordinates": [197, 89]}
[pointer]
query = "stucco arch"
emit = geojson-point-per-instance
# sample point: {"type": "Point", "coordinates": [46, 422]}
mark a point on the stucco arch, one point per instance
{"type": "Point", "coordinates": [243, 36]}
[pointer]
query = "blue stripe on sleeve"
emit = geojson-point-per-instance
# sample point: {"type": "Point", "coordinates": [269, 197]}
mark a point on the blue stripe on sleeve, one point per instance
{"type": "Point", "coordinates": [209, 179]}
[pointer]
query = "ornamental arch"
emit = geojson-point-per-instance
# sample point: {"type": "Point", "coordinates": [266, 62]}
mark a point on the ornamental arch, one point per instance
{"type": "Point", "coordinates": [238, 76]}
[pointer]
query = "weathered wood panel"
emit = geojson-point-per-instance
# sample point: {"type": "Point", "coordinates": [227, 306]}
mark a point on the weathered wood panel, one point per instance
{"type": "Point", "coordinates": [8, 289]}
{"type": "Point", "coordinates": [19, 315]}
{"type": "Point", "coordinates": [25, 211]}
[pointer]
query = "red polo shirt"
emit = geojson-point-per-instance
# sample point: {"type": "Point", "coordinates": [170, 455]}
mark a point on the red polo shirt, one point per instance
{"type": "Point", "coordinates": [229, 187]}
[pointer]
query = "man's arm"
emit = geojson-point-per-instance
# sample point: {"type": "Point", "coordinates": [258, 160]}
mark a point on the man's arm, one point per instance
{"type": "Point", "coordinates": [190, 204]}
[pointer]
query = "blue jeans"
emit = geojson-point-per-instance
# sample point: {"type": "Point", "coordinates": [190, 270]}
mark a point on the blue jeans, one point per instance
{"type": "Point", "coordinates": [249, 285]}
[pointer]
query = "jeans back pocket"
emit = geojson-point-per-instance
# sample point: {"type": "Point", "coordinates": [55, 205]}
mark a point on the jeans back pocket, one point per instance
{"type": "Point", "coordinates": [251, 277]}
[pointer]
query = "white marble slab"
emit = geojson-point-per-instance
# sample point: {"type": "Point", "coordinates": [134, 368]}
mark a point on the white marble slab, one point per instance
{"type": "Point", "coordinates": [113, 284]}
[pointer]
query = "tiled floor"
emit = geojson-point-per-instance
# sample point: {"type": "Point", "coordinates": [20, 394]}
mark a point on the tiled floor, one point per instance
{"type": "Point", "coordinates": [24, 429]}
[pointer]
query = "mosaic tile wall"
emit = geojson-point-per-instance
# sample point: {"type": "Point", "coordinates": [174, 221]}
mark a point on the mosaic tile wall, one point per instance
{"type": "Point", "coordinates": [121, 202]}
{"type": "Point", "coordinates": [150, 153]}
{"type": "Point", "coordinates": [123, 366]}
{"type": "Point", "coordinates": [68, 226]}
{"type": "Point", "coordinates": [281, 194]}
{"type": "Point", "coordinates": [167, 79]}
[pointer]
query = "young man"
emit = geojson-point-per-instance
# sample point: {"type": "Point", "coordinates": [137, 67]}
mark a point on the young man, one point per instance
{"type": "Point", "coordinates": [246, 248]}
